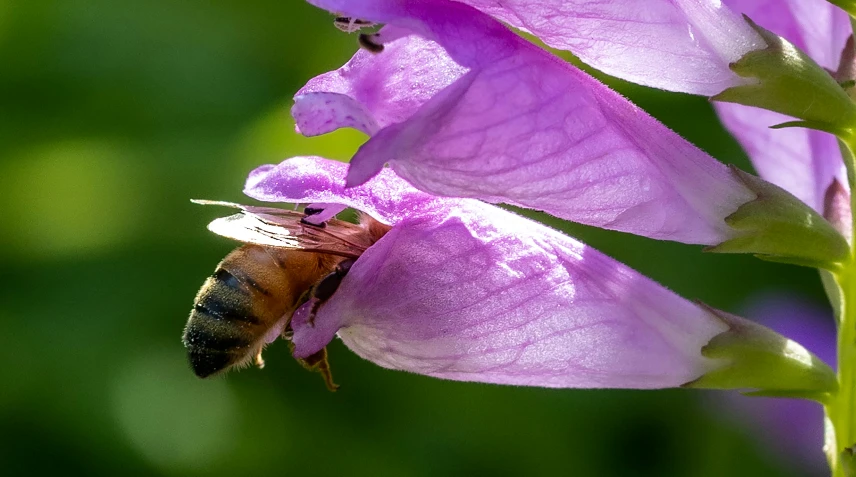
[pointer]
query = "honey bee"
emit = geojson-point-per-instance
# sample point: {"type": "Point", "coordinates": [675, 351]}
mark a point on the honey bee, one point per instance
{"type": "Point", "coordinates": [249, 300]}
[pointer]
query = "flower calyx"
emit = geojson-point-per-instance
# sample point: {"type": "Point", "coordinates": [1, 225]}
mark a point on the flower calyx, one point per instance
{"type": "Point", "coordinates": [778, 227]}
{"type": "Point", "coordinates": [751, 356]}
{"type": "Point", "coordinates": [788, 81]}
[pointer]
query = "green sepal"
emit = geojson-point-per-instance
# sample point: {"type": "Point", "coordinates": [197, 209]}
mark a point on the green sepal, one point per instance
{"type": "Point", "coordinates": [833, 293]}
{"type": "Point", "coordinates": [820, 397]}
{"type": "Point", "coordinates": [750, 356]}
{"type": "Point", "coordinates": [786, 80]}
{"type": "Point", "coordinates": [825, 127]}
{"type": "Point", "coordinates": [794, 261]}
{"type": "Point", "coordinates": [777, 226]}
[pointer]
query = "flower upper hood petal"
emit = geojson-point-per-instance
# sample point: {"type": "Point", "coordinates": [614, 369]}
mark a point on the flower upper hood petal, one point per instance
{"type": "Point", "coordinates": [683, 45]}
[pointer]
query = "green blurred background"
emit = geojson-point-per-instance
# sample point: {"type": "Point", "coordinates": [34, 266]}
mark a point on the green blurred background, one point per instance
{"type": "Point", "coordinates": [113, 114]}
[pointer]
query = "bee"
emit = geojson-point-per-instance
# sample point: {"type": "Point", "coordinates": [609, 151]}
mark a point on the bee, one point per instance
{"type": "Point", "coordinates": [249, 300]}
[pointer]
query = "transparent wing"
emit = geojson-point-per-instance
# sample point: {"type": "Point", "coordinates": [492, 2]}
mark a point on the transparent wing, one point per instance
{"type": "Point", "coordinates": [281, 228]}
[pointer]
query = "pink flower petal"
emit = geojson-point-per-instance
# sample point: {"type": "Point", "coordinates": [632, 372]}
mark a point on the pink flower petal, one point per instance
{"type": "Point", "coordinates": [320, 113]}
{"type": "Point", "coordinates": [802, 161]}
{"type": "Point", "coordinates": [383, 90]}
{"type": "Point", "coordinates": [501, 120]}
{"type": "Point", "coordinates": [311, 337]}
{"type": "Point", "coordinates": [467, 291]}
{"type": "Point", "coordinates": [390, 200]}
{"type": "Point", "coordinates": [683, 45]}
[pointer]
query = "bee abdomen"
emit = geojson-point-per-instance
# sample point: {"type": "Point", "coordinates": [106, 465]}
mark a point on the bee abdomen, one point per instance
{"type": "Point", "coordinates": [214, 308]}
{"type": "Point", "coordinates": [213, 347]}
{"type": "Point", "coordinates": [206, 362]}
{"type": "Point", "coordinates": [223, 329]}
{"type": "Point", "coordinates": [252, 290]}
{"type": "Point", "coordinates": [239, 281]}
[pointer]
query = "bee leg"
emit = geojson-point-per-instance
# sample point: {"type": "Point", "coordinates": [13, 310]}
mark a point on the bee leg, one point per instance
{"type": "Point", "coordinates": [369, 42]}
{"type": "Point", "coordinates": [321, 225]}
{"type": "Point", "coordinates": [318, 362]}
{"type": "Point", "coordinates": [258, 361]}
{"type": "Point", "coordinates": [327, 286]}
{"type": "Point", "coordinates": [309, 211]}
{"type": "Point", "coordinates": [288, 333]}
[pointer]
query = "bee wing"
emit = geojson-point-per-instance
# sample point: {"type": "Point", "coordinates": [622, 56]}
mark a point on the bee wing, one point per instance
{"type": "Point", "coordinates": [272, 227]}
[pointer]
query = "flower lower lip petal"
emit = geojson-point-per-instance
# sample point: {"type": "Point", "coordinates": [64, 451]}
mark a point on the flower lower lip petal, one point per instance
{"type": "Point", "coordinates": [320, 113]}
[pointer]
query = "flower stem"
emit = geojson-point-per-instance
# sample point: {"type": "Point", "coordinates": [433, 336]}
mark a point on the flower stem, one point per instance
{"type": "Point", "coordinates": [841, 407]}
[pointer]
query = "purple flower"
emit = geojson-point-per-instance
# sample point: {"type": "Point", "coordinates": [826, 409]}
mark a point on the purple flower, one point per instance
{"type": "Point", "coordinates": [677, 45]}
{"type": "Point", "coordinates": [805, 162]}
{"type": "Point", "coordinates": [459, 289]}
{"type": "Point", "coordinates": [464, 290]}
{"type": "Point", "coordinates": [460, 106]}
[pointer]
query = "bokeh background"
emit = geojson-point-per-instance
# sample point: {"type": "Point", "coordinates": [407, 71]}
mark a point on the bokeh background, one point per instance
{"type": "Point", "coordinates": [112, 116]}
